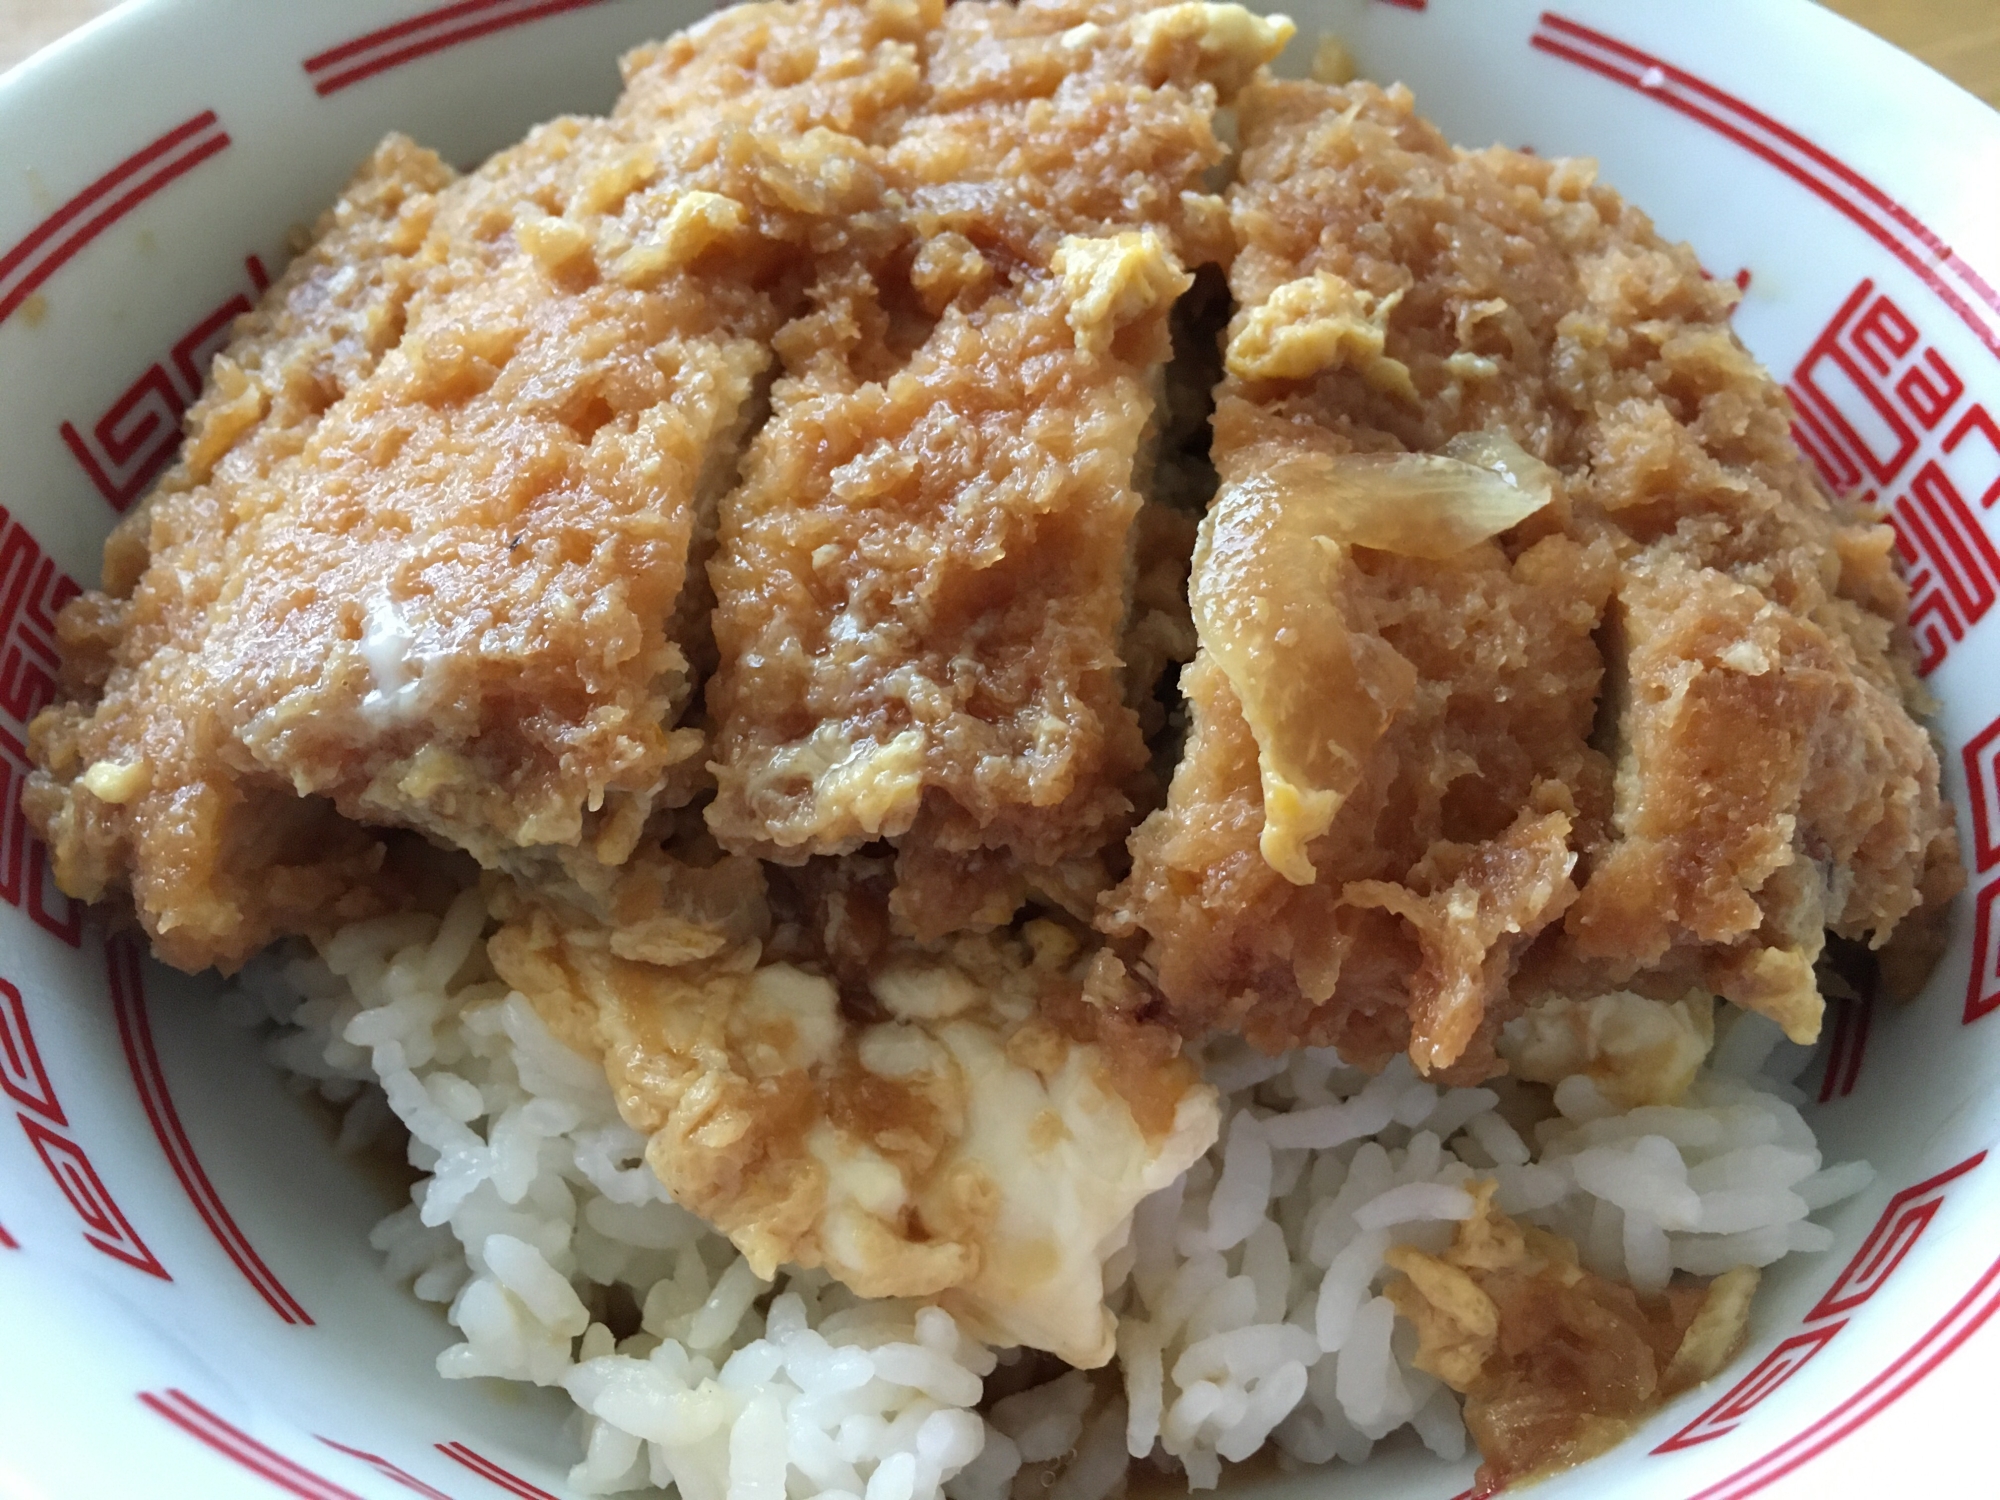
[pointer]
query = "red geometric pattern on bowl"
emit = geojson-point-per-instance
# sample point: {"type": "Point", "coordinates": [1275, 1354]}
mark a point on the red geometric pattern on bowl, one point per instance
{"type": "Point", "coordinates": [488, 1470]}
{"type": "Point", "coordinates": [1845, 1045]}
{"type": "Point", "coordinates": [1982, 987]}
{"type": "Point", "coordinates": [137, 435]}
{"type": "Point", "coordinates": [32, 590]}
{"type": "Point", "coordinates": [1772, 1371]}
{"type": "Point", "coordinates": [46, 248]}
{"type": "Point", "coordinates": [422, 35]}
{"type": "Point", "coordinates": [26, 1081]}
{"type": "Point", "coordinates": [1965, 1318]}
{"type": "Point", "coordinates": [1881, 412]}
{"type": "Point", "coordinates": [236, 1445]}
{"type": "Point", "coordinates": [105, 1226]}
{"type": "Point", "coordinates": [1981, 757]}
{"type": "Point", "coordinates": [387, 1470]}
{"type": "Point", "coordinates": [22, 1075]}
{"type": "Point", "coordinates": [1901, 1224]}
{"type": "Point", "coordinates": [125, 970]}
{"type": "Point", "coordinates": [1877, 405]}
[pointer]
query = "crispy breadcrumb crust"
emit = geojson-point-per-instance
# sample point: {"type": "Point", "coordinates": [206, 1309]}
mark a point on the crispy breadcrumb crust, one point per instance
{"type": "Point", "coordinates": [923, 587]}
{"type": "Point", "coordinates": [1663, 732]}
{"type": "Point", "coordinates": [422, 557]}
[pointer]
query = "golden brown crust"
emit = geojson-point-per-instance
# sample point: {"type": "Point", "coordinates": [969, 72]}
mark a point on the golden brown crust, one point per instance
{"type": "Point", "coordinates": [1685, 680]}
{"type": "Point", "coordinates": [923, 586]}
{"type": "Point", "coordinates": [422, 558]}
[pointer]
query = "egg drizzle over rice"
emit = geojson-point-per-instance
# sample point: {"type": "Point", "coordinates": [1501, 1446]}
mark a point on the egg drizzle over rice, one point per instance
{"type": "Point", "coordinates": [1258, 1299]}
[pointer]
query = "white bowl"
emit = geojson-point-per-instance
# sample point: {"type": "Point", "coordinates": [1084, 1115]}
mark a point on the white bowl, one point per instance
{"type": "Point", "coordinates": [188, 1303]}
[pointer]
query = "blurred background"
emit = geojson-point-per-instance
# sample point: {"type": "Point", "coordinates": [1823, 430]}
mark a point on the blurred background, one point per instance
{"type": "Point", "coordinates": [1960, 38]}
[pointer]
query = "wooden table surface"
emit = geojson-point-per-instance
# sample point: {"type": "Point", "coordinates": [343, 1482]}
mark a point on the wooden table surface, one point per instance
{"type": "Point", "coordinates": [1960, 38]}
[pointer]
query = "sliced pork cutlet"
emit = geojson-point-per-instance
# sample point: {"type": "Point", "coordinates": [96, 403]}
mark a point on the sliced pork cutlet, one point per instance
{"type": "Point", "coordinates": [1534, 660]}
{"type": "Point", "coordinates": [423, 563]}
{"type": "Point", "coordinates": [924, 584]}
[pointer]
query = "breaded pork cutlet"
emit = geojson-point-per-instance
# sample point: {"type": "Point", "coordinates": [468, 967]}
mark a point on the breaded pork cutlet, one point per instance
{"type": "Point", "coordinates": [1592, 688]}
{"type": "Point", "coordinates": [423, 562]}
{"type": "Point", "coordinates": [924, 586]}
{"type": "Point", "coordinates": [925, 589]}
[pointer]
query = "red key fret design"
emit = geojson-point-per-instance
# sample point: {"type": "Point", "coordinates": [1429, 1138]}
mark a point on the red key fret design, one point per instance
{"type": "Point", "coordinates": [236, 1445]}
{"type": "Point", "coordinates": [421, 35]}
{"type": "Point", "coordinates": [488, 1470]}
{"type": "Point", "coordinates": [1880, 411]}
{"type": "Point", "coordinates": [388, 1470]}
{"type": "Point", "coordinates": [1895, 1234]}
{"type": "Point", "coordinates": [1883, 414]}
{"type": "Point", "coordinates": [25, 1080]}
{"type": "Point", "coordinates": [104, 1226]}
{"type": "Point", "coordinates": [1982, 988]}
{"type": "Point", "coordinates": [125, 449]}
{"type": "Point", "coordinates": [32, 590]}
{"type": "Point", "coordinates": [1982, 789]}
{"type": "Point", "coordinates": [1902, 1223]}
{"type": "Point", "coordinates": [52, 243]}
{"type": "Point", "coordinates": [1772, 1371]}
{"type": "Point", "coordinates": [135, 1032]}
{"type": "Point", "coordinates": [1964, 1319]}
{"type": "Point", "coordinates": [21, 1072]}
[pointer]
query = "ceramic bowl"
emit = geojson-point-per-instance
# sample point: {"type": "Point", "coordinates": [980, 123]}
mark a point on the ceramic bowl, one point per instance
{"type": "Point", "coordinates": [188, 1302]}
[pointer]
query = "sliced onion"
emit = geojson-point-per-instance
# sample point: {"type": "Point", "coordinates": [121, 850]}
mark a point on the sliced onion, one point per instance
{"type": "Point", "coordinates": [1270, 570]}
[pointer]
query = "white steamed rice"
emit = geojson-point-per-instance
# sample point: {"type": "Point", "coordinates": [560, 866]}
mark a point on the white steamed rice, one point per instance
{"type": "Point", "coordinates": [1249, 1300]}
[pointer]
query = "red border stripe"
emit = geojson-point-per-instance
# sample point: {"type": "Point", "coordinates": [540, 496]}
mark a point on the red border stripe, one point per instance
{"type": "Point", "coordinates": [1836, 1048]}
{"type": "Point", "coordinates": [50, 244]}
{"type": "Point", "coordinates": [1903, 235]}
{"type": "Point", "coordinates": [7, 1241]}
{"type": "Point", "coordinates": [236, 1445]}
{"type": "Point", "coordinates": [488, 1470]}
{"type": "Point", "coordinates": [135, 1032]}
{"type": "Point", "coordinates": [387, 1470]}
{"type": "Point", "coordinates": [1964, 1319]}
{"type": "Point", "coordinates": [422, 35]}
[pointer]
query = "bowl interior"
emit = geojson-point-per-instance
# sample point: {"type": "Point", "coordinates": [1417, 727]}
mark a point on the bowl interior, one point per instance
{"type": "Point", "coordinates": [179, 1241]}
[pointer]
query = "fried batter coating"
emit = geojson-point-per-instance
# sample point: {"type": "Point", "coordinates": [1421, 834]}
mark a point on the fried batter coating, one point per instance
{"type": "Point", "coordinates": [1656, 731]}
{"type": "Point", "coordinates": [1557, 1363]}
{"type": "Point", "coordinates": [924, 586]}
{"type": "Point", "coordinates": [423, 558]}
{"type": "Point", "coordinates": [972, 1122]}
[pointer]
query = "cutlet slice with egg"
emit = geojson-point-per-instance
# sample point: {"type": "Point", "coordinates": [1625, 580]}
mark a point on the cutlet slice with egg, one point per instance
{"type": "Point", "coordinates": [1534, 660]}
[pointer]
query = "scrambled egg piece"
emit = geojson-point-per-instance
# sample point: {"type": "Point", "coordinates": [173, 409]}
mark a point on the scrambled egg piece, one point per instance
{"type": "Point", "coordinates": [1115, 280]}
{"type": "Point", "coordinates": [1319, 322]}
{"type": "Point", "coordinates": [1637, 1051]}
{"type": "Point", "coordinates": [969, 1130]}
{"type": "Point", "coordinates": [1556, 1362]}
